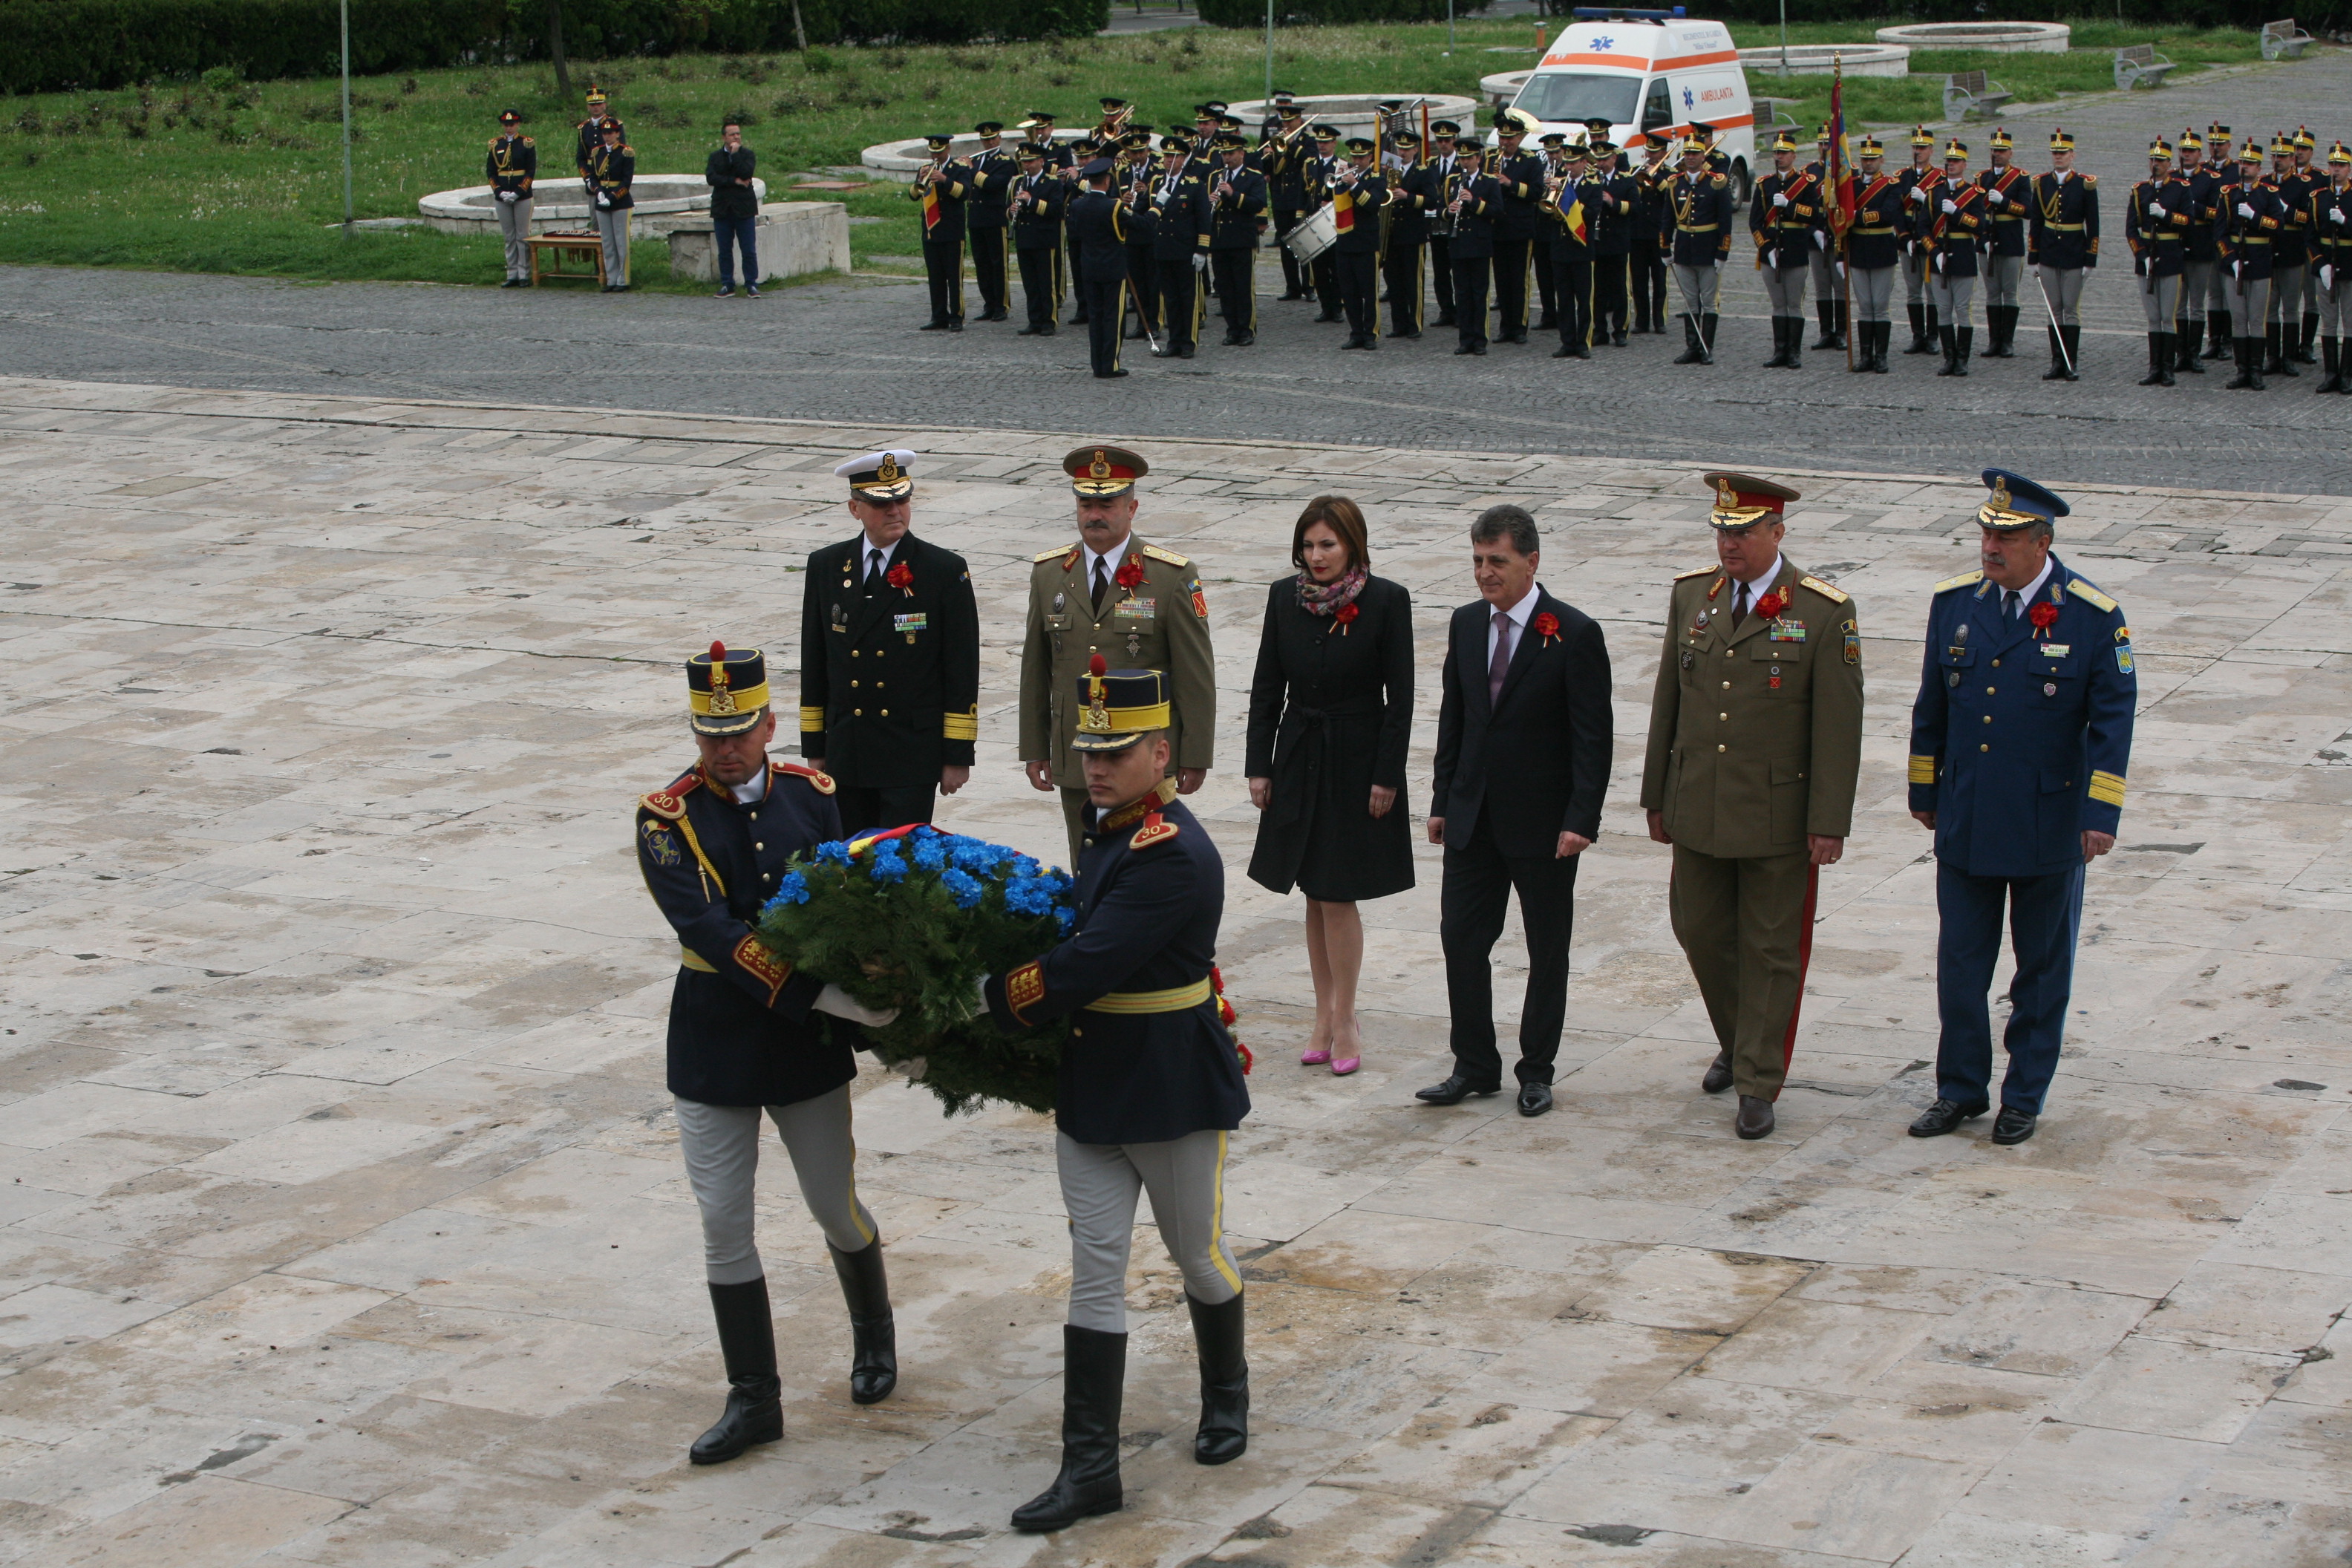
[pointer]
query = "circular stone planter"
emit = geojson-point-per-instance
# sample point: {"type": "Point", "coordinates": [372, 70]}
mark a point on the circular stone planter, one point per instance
{"type": "Point", "coordinates": [2000, 38]}
{"type": "Point", "coordinates": [1502, 86]}
{"type": "Point", "coordinates": [1823, 60]}
{"type": "Point", "coordinates": [664, 201]}
{"type": "Point", "coordinates": [899, 160]}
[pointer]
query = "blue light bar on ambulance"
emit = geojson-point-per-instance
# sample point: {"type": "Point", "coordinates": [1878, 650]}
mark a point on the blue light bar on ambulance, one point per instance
{"type": "Point", "coordinates": [1608, 13]}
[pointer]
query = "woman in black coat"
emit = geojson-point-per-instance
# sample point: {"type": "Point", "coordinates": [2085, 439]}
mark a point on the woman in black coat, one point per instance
{"type": "Point", "coordinates": [1330, 708]}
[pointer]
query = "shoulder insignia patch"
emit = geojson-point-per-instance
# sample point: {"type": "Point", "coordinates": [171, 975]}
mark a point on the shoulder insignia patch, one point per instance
{"type": "Point", "coordinates": [821, 783]}
{"type": "Point", "coordinates": [1835, 595]}
{"type": "Point", "coordinates": [670, 804]}
{"type": "Point", "coordinates": [1153, 831]}
{"type": "Point", "coordinates": [2084, 591]}
{"type": "Point", "coordinates": [1695, 571]}
{"type": "Point", "coordinates": [1169, 556]}
{"type": "Point", "coordinates": [1965, 580]}
{"type": "Point", "coordinates": [1200, 601]}
{"type": "Point", "coordinates": [659, 844]}
{"type": "Point", "coordinates": [1045, 556]}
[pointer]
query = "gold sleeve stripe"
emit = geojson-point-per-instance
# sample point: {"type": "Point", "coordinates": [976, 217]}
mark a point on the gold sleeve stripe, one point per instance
{"type": "Point", "coordinates": [2107, 788]}
{"type": "Point", "coordinates": [811, 720]}
{"type": "Point", "coordinates": [960, 726]}
{"type": "Point", "coordinates": [1923, 770]}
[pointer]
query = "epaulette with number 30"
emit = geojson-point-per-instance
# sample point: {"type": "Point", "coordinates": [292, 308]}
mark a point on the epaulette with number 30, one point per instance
{"type": "Point", "coordinates": [1153, 831]}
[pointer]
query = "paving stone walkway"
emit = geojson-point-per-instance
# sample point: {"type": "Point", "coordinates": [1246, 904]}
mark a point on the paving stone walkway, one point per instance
{"type": "Point", "coordinates": [342, 1220]}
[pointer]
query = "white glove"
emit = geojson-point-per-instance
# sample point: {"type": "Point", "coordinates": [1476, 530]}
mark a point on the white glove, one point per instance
{"type": "Point", "coordinates": [1200, 261]}
{"type": "Point", "coordinates": [506, 196]}
{"type": "Point", "coordinates": [2155, 209]}
{"type": "Point", "coordinates": [832, 999]}
{"type": "Point", "coordinates": [603, 200]}
{"type": "Point", "coordinates": [1950, 208]}
{"type": "Point", "coordinates": [2245, 209]}
{"type": "Point", "coordinates": [1772, 258]}
{"type": "Point", "coordinates": [1781, 201]}
{"type": "Point", "coordinates": [1821, 240]}
{"type": "Point", "coordinates": [1841, 268]}
{"type": "Point", "coordinates": [2328, 276]}
{"type": "Point", "coordinates": [913, 1069]}
{"type": "Point", "coordinates": [1915, 194]}
{"type": "Point", "coordinates": [2238, 268]}
{"type": "Point", "coordinates": [1996, 198]}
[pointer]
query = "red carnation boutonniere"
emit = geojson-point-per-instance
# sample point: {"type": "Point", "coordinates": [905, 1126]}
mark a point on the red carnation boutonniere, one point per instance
{"type": "Point", "coordinates": [1130, 574]}
{"type": "Point", "coordinates": [1342, 618]}
{"type": "Point", "coordinates": [1770, 605]}
{"type": "Point", "coordinates": [2044, 616]}
{"type": "Point", "coordinates": [1547, 627]}
{"type": "Point", "coordinates": [901, 577]}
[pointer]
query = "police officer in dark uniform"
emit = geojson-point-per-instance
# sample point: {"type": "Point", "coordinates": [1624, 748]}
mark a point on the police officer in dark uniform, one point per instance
{"type": "Point", "coordinates": [1098, 228]}
{"type": "Point", "coordinates": [890, 657]}
{"type": "Point", "coordinates": [1518, 223]}
{"type": "Point", "coordinates": [1359, 190]}
{"type": "Point", "coordinates": [742, 1041]}
{"type": "Point", "coordinates": [2021, 742]}
{"type": "Point", "coordinates": [1237, 210]}
{"type": "Point", "coordinates": [1039, 199]}
{"type": "Point", "coordinates": [512, 165]}
{"type": "Point", "coordinates": [1181, 219]}
{"type": "Point", "coordinates": [1470, 199]}
{"type": "Point", "coordinates": [1408, 233]}
{"type": "Point", "coordinates": [987, 213]}
{"type": "Point", "coordinates": [2062, 242]}
{"type": "Point", "coordinates": [943, 185]}
{"type": "Point", "coordinates": [1699, 215]}
{"type": "Point", "coordinates": [1149, 1091]}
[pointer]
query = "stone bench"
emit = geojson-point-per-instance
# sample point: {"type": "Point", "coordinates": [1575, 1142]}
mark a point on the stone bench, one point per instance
{"type": "Point", "coordinates": [794, 239]}
{"type": "Point", "coordinates": [2140, 66]}
{"type": "Point", "coordinates": [2282, 40]}
{"type": "Point", "coordinates": [1972, 92]}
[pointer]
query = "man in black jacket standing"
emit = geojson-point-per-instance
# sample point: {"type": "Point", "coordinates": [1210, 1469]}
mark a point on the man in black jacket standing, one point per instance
{"type": "Point", "coordinates": [988, 213]}
{"type": "Point", "coordinates": [890, 657]}
{"type": "Point", "coordinates": [1524, 736]}
{"type": "Point", "coordinates": [1237, 211]}
{"type": "Point", "coordinates": [734, 209]}
{"type": "Point", "coordinates": [1039, 199]}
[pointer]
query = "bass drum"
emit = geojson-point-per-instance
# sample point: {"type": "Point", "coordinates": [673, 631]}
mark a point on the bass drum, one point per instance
{"type": "Point", "coordinates": [1314, 235]}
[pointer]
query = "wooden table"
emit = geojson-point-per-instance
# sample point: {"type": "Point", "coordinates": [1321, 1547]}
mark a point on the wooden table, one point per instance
{"type": "Point", "coordinates": [551, 254]}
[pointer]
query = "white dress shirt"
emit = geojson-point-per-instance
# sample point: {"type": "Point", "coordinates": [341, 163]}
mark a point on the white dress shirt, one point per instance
{"type": "Point", "coordinates": [1759, 586]}
{"type": "Point", "coordinates": [1519, 613]}
{"type": "Point", "coordinates": [2024, 594]}
{"type": "Point", "coordinates": [753, 790]}
{"type": "Point", "coordinates": [865, 549]}
{"type": "Point", "coordinates": [1109, 558]}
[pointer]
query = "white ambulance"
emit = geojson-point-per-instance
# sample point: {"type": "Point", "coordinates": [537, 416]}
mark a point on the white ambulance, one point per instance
{"type": "Point", "coordinates": [1649, 74]}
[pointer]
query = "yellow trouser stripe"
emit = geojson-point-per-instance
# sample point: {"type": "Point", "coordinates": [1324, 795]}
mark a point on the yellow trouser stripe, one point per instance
{"type": "Point", "coordinates": [856, 1210]}
{"type": "Point", "coordinates": [1176, 999]}
{"type": "Point", "coordinates": [1217, 1223]}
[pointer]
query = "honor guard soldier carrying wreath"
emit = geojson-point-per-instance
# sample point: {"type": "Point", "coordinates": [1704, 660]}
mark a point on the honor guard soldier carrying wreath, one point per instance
{"type": "Point", "coordinates": [1755, 747]}
{"type": "Point", "coordinates": [1113, 594]}
{"type": "Point", "coordinates": [742, 1040]}
{"type": "Point", "coordinates": [889, 658]}
{"type": "Point", "coordinates": [1149, 1086]}
{"type": "Point", "coordinates": [512, 165]}
{"type": "Point", "coordinates": [2021, 742]}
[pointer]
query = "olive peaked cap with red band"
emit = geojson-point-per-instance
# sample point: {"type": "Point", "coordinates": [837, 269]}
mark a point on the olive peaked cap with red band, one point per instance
{"type": "Point", "coordinates": [1743, 500]}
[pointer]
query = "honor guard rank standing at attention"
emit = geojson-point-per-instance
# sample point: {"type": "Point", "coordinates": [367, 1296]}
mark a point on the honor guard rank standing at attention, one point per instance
{"type": "Point", "coordinates": [889, 658]}
{"type": "Point", "coordinates": [742, 1040]}
{"type": "Point", "coordinates": [2250, 230]}
{"type": "Point", "coordinates": [612, 175]}
{"type": "Point", "coordinates": [1874, 248]}
{"type": "Point", "coordinates": [1039, 200]}
{"type": "Point", "coordinates": [1149, 1089]}
{"type": "Point", "coordinates": [1359, 191]}
{"type": "Point", "coordinates": [512, 165]}
{"type": "Point", "coordinates": [2223, 341]}
{"type": "Point", "coordinates": [589, 135]}
{"type": "Point", "coordinates": [1830, 302]}
{"type": "Point", "coordinates": [2331, 253]}
{"type": "Point", "coordinates": [1786, 206]}
{"type": "Point", "coordinates": [1698, 219]}
{"type": "Point", "coordinates": [2202, 192]}
{"type": "Point", "coordinates": [2062, 244]}
{"type": "Point", "coordinates": [1113, 594]}
{"type": "Point", "coordinates": [2006, 189]}
{"type": "Point", "coordinates": [1954, 236]}
{"type": "Point", "coordinates": [2304, 180]}
{"type": "Point", "coordinates": [2021, 741]}
{"type": "Point", "coordinates": [1237, 211]}
{"type": "Point", "coordinates": [1408, 230]}
{"type": "Point", "coordinates": [1098, 228]}
{"type": "Point", "coordinates": [1755, 746]}
{"type": "Point", "coordinates": [1918, 185]}
{"type": "Point", "coordinates": [988, 212]}
{"type": "Point", "coordinates": [2290, 262]}
{"type": "Point", "coordinates": [941, 186]}
{"type": "Point", "coordinates": [1183, 217]}
{"type": "Point", "coordinates": [2156, 223]}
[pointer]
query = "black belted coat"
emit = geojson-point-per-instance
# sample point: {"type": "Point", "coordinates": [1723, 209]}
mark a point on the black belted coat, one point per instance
{"type": "Point", "coordinates": [1330, 711]}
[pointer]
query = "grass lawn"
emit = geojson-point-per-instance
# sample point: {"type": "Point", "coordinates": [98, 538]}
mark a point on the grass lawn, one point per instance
{"type": "Point", "coordinates": [222, 176]}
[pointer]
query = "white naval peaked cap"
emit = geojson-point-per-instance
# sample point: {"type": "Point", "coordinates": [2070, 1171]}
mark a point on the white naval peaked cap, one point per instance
{"type": "Point", "coordinates": [880, 476]}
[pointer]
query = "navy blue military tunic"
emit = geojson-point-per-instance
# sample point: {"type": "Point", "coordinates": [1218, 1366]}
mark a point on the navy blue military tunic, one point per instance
{"type": "Point", "coordinates": [740, 1030]}
{"type": "Point", "coordinates": [1151, 892]}
{"type": "Point", "coordinates": [2021, 737]}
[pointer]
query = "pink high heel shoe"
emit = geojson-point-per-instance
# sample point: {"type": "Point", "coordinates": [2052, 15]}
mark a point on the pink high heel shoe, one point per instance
{"type": "Point", "coordinates": [1313, 1058]}
{"type": "Point", "coordinates": [1346, 1064]}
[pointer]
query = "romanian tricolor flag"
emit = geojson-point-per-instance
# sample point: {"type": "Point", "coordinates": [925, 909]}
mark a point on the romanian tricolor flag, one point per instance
{"type": "Point", "coordinates": [1575, 216]}
{"type": "Point", "coordinates": [1343, 211]}
{"type": "Point", "coordinates": [1841, 177]}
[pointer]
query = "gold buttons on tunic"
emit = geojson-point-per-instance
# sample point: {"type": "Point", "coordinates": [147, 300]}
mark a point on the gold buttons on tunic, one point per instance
{"type": "Point", "coordinates": [1996, 663]}
{"type": "Point", "coordinates": [852, 686]}
{"type": "Point", "coordinates": [1720, 748]}
{"type": "Point", "coordinates": [857, 712]}
{"type": "Point", "coordinates": [1723, 716]}
{"type": "Point", "coordinates": [1988, 718]}
{"type": "Point", "coordinates": [885, 712]}
{"type": "Point", "coordinates": [1727, 685]}
{"type": "Point", "coordinates": [1988, 691]}
{"type": "Point", "coordinates": [759, 846]}
{"type": "Point", "coordinates": [1985, 748]}
{"type": "Point", "coordinates": [852, 653]}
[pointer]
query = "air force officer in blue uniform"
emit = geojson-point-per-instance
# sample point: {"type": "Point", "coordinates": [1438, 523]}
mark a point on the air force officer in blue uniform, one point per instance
{"type": "Point", "coordinates": [2021, 740]}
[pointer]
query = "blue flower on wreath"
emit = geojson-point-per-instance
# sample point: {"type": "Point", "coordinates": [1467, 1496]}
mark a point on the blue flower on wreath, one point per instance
{"type": "Point", "coordinates": [965, 888]}
{"type": "Point", "coordinates": [887, 867]}
{"type": "Point", "coordinates": [792, 890]}
{"type": "Point", "coordinates": [833, 849]}
{"type": "Point", "coordinates": [1028, 895]}
{"type": "Point", "coordinates": [971, 854]}
{"type": "Point", "coordinates": [1053, 882]}
{"type": "Point", "coordinates": [1065, 918]}
{"type": "Point", "coordinates": [930, 854]}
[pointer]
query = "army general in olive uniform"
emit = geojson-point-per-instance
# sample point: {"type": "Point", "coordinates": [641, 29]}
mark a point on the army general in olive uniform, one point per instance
{"type": "Point", "coordinates": [1137, 605]}
{"type": "Point", "coordinates": [1755, 742]}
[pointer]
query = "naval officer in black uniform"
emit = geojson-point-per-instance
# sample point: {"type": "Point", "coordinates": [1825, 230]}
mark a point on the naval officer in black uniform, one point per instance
{"type": "Point", "coordinates": [1150, 1087]}
{"type": "Point", "coordinates": [890, 657]}
{"type": "Point", "coordinates": [711, 844]}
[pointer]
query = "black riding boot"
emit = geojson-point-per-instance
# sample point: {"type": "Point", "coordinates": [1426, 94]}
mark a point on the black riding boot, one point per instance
{"type": "Point", "coordinates": [2217, 323]}
{"type": "Point", "coordinates": [2310, 335]}
{"type": "Point", "coordinates": [2250, 367]}
{"type": "Point", "coordinates": [873, 1336]}
{"type": "Point", "coordinates": [1844, 322]}
{"type": "Point", "coordinates": [1690, 354]}
{"type": "Point", "coordinates": [1966, 337]}
{"type": "Point", "coordinates": [1825, 313]}
{"type": "Point", "coordinates": [1919, 329]}
{"type": "Point", "coordinates": [2331, 361]}
{"type": "Point", "coordinates": [2184, 354]}
{"type": "Point", "coordinates": [2154, 376]}
{"type": "Point", "coordinates": [1224, 1434]}
{"type": "Point", "coordinates": [1780, 343]}
{"type": "Point", "coordinates": [2000, 326]}
{"type": "Point", "coordinates": [1881, 341]}
{"type": "Point", "coordinates": [1706, 324]}
{"type": "Point", "coordinates": [1094, 1377]}
{"type": "Point", "coordinates": [747, 1341]}
{"type": "Point", "coordinates": [1865, 341]}
{"type": "Point", "coordinates": [2277, 338]}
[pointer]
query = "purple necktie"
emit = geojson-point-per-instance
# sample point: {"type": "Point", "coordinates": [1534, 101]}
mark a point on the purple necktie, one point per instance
{"type": "Point", "coordinates": [1500, 665]}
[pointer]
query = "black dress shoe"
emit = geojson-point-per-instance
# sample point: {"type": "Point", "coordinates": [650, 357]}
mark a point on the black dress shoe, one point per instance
{"type": "Point", "coordinates": [1535, 1099]}
{"type": "Point", "coordinates": [1026, 332]}
{"type": "Point", "coordinates": [1111, 374]}
{"type": "Point", "coordinates": [1718, 1074]}
{"type": "Point", "coordinates": [932, 327]}
{"type": "Point", "coordinates": [1184, 353]}
{"type": "Point", "coordinates": [1466, 349]}
{"type": "Point", "coordinates": [2012, 1125]}
{"type": "Point", "coordinates": [1405, 337]}
{"type": "Point", "coordinates": [1454, 1090]}
{"type": "Point", "coordinates": [1942, 1117]}
{"type": "Point", "coordinates": [1755, 1118]}
{"type": "Point", "coordinates": [1244, 340]}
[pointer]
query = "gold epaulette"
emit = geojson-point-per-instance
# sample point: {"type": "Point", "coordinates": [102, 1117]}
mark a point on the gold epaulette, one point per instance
{"type": "Point", "coordinates": [1964, 580]}
{"type": "Point", "coordinates": [1155, 830]}
{"type": "Point", "coordinates": [2091, 180]}
{"type": "Point", "coordinates": [2084, 591]}
{"type": "Point", "coordinates": [1169, 556]}
{"type": "Point", "coordinates": [1695, 571]}
{"type": "Point", "coordinates": [1834, 595]}
{"type": "Point", "coordinates": [669, 804]}
{"type": "Point", "coordinates": [494, 142]}
{"type": "Point", "coordinates": [1045, 555]}
{"type": "Point", "coordinates": [529, 142]}
{"type": "Point", "coordinates": [820, 782]}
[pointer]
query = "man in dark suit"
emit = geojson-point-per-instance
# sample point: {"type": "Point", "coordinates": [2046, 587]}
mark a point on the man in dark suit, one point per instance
{"type": "Point", "coordinates": [1523, 743]}
{"type": "Point", "coordinates": [890, 657]}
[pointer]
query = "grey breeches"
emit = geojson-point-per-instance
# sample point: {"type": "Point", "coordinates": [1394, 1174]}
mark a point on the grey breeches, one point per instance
{"type": "Point", "coordinates": [2332, 305]}
{"type": "Point", "coordinates": [1874, 291]}
{"type": "Point", "coordinates": [514, 227]}
{"type": "Point", "coordinates": [2247, 300]}
{"type": "Point", "coordinates": [1915, 278]}
{"type": "Point", "coordinates": [2218, 292]}
{"type": "Point", "coordinates": [2160, 297]}
{"type": "Point", "coordinates": [613, 228]}
{"type": "Point", "coordinates": [2288, 284]}
{"type": "Point", "coordinates": [2064, 287]}
{"type": "Point", "coordinates": [1700, 287]}
{"type": "Point", "coordinates": [1950, 296]}
{"type": "Point", "coordinates": [1785, 286]}
{"type": "Point", "coordinates": [1100, 1181]}
{"type": "Point", "coordinates": [1822, 266]}
{"type": "Point", "coordinates": [722, 1145]}
{"type": "Point", "coordinates": [2197, 287]}
{"type": "Point", "coordinates": [2002, 274]}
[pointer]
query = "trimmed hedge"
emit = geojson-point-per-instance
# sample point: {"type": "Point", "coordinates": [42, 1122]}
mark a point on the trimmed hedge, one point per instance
{"type": "Point", "coordinates": [64, 45]}
{"type": "Point", "coordinates": [1330, 13]}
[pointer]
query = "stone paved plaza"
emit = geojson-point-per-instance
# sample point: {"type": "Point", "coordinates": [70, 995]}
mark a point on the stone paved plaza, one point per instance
{"type": "Point", "coordinates": [342, 1220]}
